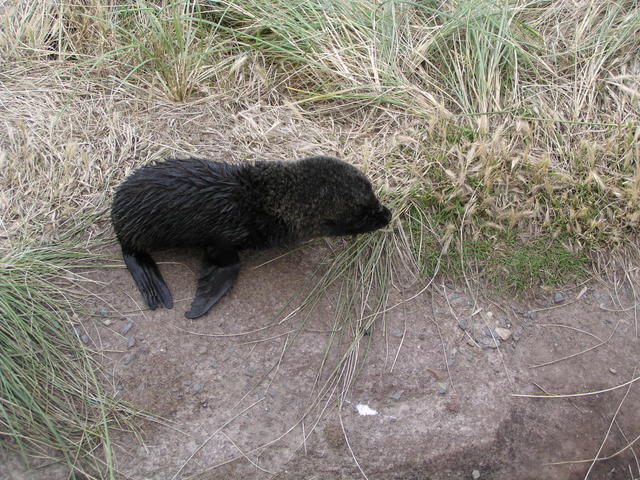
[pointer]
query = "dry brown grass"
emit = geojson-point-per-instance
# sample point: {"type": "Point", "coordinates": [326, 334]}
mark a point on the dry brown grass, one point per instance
{"type": "Point", "coordinates": [544, 144]}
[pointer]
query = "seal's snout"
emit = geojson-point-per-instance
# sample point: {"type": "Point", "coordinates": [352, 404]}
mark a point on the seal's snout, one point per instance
{"type": "Point", "coordinates": [384, 215]}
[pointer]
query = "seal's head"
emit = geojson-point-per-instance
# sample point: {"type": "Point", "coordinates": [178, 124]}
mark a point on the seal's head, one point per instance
{"type": "Point", "coordinates": [342, 198]}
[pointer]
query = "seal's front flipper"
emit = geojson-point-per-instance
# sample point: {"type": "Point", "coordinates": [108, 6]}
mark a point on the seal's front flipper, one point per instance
{"type": "Point", "coordinates": [148, 279]}
{"type": "Point", "coordinates": [219, 272]}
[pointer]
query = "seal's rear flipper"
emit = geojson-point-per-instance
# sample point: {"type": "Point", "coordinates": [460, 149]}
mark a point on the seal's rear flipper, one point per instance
{"type": "Point", "coordinates": [219, 272]}
{"type": "Point", "coordinates": [148, 279]}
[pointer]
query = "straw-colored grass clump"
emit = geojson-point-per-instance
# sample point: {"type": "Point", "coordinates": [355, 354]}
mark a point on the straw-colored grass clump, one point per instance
{"type": "Point", "coordinates": [506, 121]}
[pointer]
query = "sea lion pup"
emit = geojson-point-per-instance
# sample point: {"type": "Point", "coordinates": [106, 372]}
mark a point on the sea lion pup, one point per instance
{"type": "Point", "coordinates": [224, 208]}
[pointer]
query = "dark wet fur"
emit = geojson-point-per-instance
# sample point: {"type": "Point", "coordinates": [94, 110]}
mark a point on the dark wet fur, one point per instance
{"type": "Point", "coordinates": [225, 208]}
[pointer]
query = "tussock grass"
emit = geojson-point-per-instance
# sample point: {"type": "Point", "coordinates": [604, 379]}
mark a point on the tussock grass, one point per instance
{"type": "Point", "coordinates": [509, 121]}
{"type": "Point", "coordinates": [54, 407]}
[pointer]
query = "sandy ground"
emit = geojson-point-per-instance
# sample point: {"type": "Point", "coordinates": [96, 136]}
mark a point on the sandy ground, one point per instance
{"type": "Point", "coordinates": [236, 406]}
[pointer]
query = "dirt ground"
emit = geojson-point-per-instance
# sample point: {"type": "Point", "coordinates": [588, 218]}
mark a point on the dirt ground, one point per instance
{"type": "Point", "coordinates": [236, 406]}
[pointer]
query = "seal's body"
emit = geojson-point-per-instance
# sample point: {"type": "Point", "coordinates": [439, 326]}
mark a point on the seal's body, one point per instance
{"type": "Point", "coordinates": [224, 208]}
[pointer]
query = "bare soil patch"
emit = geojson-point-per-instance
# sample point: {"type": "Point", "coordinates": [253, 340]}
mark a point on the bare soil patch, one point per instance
{"type": "Point", "coordinates": [236, 406]}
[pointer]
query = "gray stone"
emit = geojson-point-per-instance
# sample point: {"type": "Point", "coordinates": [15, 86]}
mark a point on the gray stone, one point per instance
{"type": "Point", "coordinates": [248, 374]}
{"type": "Point", "coordinates": [130, 359]}
{"type": "Point", "coordinates": [131, 342]}
{"type": "Point", "coordinates": [126, 327]}
{"type": "Point", "coordinates": [442, 388]}
{"type": "Point", "coordinates": [463, 324]}
{"type": "Point", "coordinates": [475, 474]}
{"type": "Point", "coordinates": [613, 371]}
{"type": "Point", "coordinates": [396, 395]}
{"type": "Point", "coordinates": [196, 388]}
{"type": "Point", "coordinates": [84, 339]}
{"type": "Point", "coordinates": [489, 342]}
{"type": "Point", "coordinates": [601, 297]}
{"type": "Point", "coordinates": [558, 297]}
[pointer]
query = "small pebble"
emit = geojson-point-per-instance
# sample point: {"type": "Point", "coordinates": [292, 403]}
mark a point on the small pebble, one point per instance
{"type": "Point", "coordinates": [396, 395]}
{"type": "Point", "coordinates": [248, 374]}
{"type": "Point", "coordinates": [442, 388]}
{"type": "Point", "coordinates": [84, 339]}
{"type": "Point", "coordinates": [125, 329]}
{"type": "Point", "coordinates": [530, 315]}
{"type": "Point", "coordinates": [558, 297]}
{"type": "Point", "coordinates": [503, 333]}
{"type": "Point", "coordinates": [463, 324]}
{"type": "Point", "coordinates": [129, 359]}
{"type": "Point", "coordinates": [107, 322]}
{"type": "Point", "coordinates": [196, 388]}
{"type": "Point", "coordinates": [475, 474]}
{"type": "Point", "coordinates": [453, 296]}
{"type": "Point", "coordinates": [613, 371]}
{"type": "Point", "coordinates": [131, 342]}
{"type": "Point", "coordinates": [397, 333]}
{"type": "Point", "coordinates": [450, 361]}
{"type": "Point", "coordinates": [489, 342]}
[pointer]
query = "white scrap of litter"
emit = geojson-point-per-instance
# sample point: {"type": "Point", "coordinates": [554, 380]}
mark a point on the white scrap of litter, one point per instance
{"type": "Point", "coordinates": [365, 409]}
